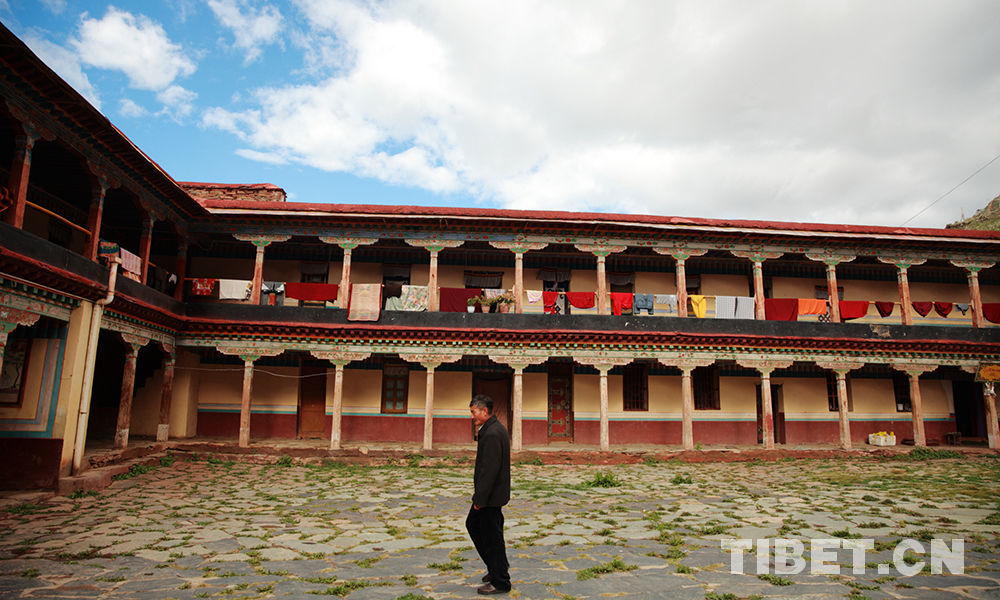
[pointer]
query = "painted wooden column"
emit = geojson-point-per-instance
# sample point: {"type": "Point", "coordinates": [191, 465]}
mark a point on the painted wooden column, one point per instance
{"type": "Point", "coordinates": [831, 260]}
{"type": "Point", "coordinates": [519, 363]}
{"type": "Point", "coordinates": [687, 365]}
{"type": "Point", "coordinates": [95, 216]}
{"type": "Point", "coordinates": [973, 267]}
{"type": "Point", "coordinates": [166, 393]}
{"type": "Point", "coordinates": [902, 264]}
{"type": "Point", "coordinates": [765, 366]}
{"type": "Point", "coordinates": [430, 362]}
{"type": "Point", "coordinates": [20, 171]}
{"type": "Point", "coordinates": [914, 371]}
{"type": "Point", "coordinates": [10, 318]}
{"type": "Point", "coordinates": [340, 360]}
{"type": "Point", "coordinates": [757, 257]}
{"type": "Point", "coordinates": [434, 246]}
{"type": "Point", "coordinates": [989, 402]}
{"type": "Point", "coordinates": [681, 254]}
{"type": "Point", "coordinates": [260, 242]}
{"type": "Point", "coordinates": [601, 250]}
{"type": "Point", "coordinates": [603, 364]}
{"type": "Point", "coordinates": [146, 244]}
{"type": "Point", "coordinates": [249, 355]}
{"type": "Point", "coordinates": [133, 343]}
{"type": "Point", "coordinates": [519, 248]}
{"type": "Point", "coordinates": [180, 268]}
{"type": "Point", "coordinates": [841, 369]}
{"type": "Point", "coordinates": [347, 245]}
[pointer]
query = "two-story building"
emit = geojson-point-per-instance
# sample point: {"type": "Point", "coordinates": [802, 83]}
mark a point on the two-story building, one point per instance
{"type": "Point", "coordinates": [134, 304]}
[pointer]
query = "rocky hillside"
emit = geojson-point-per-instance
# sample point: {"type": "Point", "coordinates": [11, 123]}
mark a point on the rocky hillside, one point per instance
{"type": "Point", "coordinates": [987, 217]}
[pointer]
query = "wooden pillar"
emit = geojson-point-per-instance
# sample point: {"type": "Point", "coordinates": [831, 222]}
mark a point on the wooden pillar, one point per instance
{"type": "Point", "coordinates": [603, 364]}
{"type": "Point", "coordinates": [95, 216]}
{"type": "Point", "coordinates": [902, 264]}
{"type": "Point", "coordinates": [841, 369]}
{"type": "Point", "coordinates": [687, 409]}
{"type": "Point", "coordinates": [145, 245]}
{"type": "Point", "coordinates": [260, 242]}
{"type": "Point", "coordinates": [765, 366]}
{"type": "Point", "coordinates": [972, 268]}
{"type": "Point", "coordinates": [519, 248]}
{"type": "Point", "coordinates": [992, 426]}
{"type": "Point", "coordinates": [166, 394]}
{"type": "Point", "coordinates": [680, 254]}
{"type": "Point", "coordinates": [344, 291]}
{"type": "Point", "coordinates": [20, 170]}
{"type": "Point", "coordinates": [831, 259]}
{"type": "Point", "coordinates": [518, 362]}
{"type": "Point", "coordinates": [132, 343]}
{"type": "Point", "coordinates": [340, 360]}
{"type": "Point", "coordinates": [601, 251]}
{"type": "Point", "coordinates": [246, 401]}
{"type": "Point", "coordinates": [757, 257]}
{"type": "Point", "coordinates": [429, 406]}
{"type": "Point", "coordinates": [434, 246]}
{"type": "Point", "coordinates": [916, 404]}
{"type": "Point", "coordinates": [180, 268]}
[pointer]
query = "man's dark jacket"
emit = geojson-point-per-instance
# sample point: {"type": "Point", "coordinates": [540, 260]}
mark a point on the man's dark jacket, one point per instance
{"type": "Point", "coordinates": [492, 477]}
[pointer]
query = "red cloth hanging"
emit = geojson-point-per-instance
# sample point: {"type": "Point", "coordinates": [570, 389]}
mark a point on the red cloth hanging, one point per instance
{"type": "Point", "coordinates": [620, 301]}
{"type": "Point", "coordinates": [549, 300]}
{"type": "Point", "coordinates": [203, 286]}
{"type": "Point", "coordinates": [311, 292]}
{"type": "Point", "coordinates": [457, 299]}
{"type": "Point", "coordinates": [781, 309]}
{"type": "Point", "coordinates": [853, 309]}
{"type": "Point", "coordinates": [923, 308]}
{"type": "Point", "coordinates": [943, 308]}
{"type": "Point", "coordinates": [581, 299]}
{"type": "Point", "coordinates": [885, 308]}
{"type": "Point", "coordinates": [991, 311]}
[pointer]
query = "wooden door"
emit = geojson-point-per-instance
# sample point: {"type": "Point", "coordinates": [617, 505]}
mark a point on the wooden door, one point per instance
{"type": "Point", "coordinates": [312, 401]}
{"type": "Point", "coordinates": [498, 387]}
{"type": "Point", "coordinates": [560, 402]}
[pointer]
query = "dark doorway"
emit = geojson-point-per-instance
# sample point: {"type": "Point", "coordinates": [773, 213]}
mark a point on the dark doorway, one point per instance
{"type": "Point", "coordinates": [777, 413]}
{"type": "Point", "coordinates": [106, 391]}
{"type": "Point", "coordinates": [560, 418]}
{"type": "Point", "coordinates": [497, 386]}
{"type": "Point", "coordinates": [312, 400]}
{"type": "Point", "coordinates": [970, 417]}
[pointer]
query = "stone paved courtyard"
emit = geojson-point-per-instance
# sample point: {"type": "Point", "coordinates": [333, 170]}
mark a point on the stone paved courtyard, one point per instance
{"type": "Point", "coordinates": [203, 527]}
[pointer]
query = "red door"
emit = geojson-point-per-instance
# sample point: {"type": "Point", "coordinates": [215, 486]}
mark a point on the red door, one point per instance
{"type": "Point", "coordinates": [312, 401]}
{"type": "Point", "coordinates": [560, 402]}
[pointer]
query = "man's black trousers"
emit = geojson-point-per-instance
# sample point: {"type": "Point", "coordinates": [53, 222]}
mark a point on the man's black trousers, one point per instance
{"type": "Point", "coordinates": [485, 527]}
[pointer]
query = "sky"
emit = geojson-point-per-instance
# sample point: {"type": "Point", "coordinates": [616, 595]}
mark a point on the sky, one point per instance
{"type": "Point", "coordinates": [841, 111]}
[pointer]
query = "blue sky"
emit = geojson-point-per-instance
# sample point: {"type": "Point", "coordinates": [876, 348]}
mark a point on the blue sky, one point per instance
{"type": "Point", "coordinates": [848, 111]}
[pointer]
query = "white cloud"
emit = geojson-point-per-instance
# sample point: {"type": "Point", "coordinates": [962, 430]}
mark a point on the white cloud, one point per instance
{"type": "Point", "coordinates": [177, 101]}
{"type": "Point", "coordinates": [131, 109]}
{"type": "Point", "coordinates": [843, 112]}
{"type": "Point", "coordinates": [55, 6]}
{"type": "Point", "coordinates": [252, 27]}
{"type": "Point", "coordinates": [66, 64]}
{"type": "Point", "coordinates": [133, 44]}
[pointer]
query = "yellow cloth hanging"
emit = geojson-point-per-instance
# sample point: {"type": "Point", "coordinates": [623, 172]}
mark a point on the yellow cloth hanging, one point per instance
{"type": "Point", "coordinates": [699, 304]}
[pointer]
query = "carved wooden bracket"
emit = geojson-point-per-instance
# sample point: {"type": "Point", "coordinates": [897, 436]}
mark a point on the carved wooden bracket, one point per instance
{"type": "Point", "coordinates": [347, 243]}
{"type": "Point", "coordinates": [261, 240]}
{"type": "Point", "coordinates": [434, 245]}
{"type": "Point", "coordinates": [340, 359]}
{"type": "Point", "coordinates": [519, 247]}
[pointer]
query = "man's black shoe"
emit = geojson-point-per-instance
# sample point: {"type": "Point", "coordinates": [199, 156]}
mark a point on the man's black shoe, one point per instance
{"type": "Point", "coordinates": [489, 589]}
{"type": "Point", "coordinates": [486, 578]}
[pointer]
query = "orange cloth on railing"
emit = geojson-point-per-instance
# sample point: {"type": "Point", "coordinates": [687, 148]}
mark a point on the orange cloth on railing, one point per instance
{"type": "Point", "coordinates": [809, 306]}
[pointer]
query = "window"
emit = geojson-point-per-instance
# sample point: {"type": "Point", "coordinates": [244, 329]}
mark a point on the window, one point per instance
{"type": "Point", "coordinates": [705, 381]}
{"type": "Point", "coordinates": [831, 393]}
{"type": "Point", "coordinates": [395, 387]}
{"type": "Point", "coordinates": [901, 391]}
{"type": "Point", "coordinates": [635, 387]}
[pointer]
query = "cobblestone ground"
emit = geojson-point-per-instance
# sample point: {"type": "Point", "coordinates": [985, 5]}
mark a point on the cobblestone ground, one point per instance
{"type": "Point", "coordinates": [205, 528]}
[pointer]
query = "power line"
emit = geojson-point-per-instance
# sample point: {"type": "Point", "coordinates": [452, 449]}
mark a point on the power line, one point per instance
{"type": "Point", "coordinates": [942, 196]}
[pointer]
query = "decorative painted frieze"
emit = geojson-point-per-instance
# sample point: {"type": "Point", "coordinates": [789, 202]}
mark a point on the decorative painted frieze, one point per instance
{"type": "Point", "coordinates": [261, 240]}
{"type": "Point", "coordinates": [830, 258]}
{"type": "Point", "coordinates": [601, 249]}
{"type": "Point", "coordinates": [249, 354]}
{"type": "Point", "coordinates": [340, 358]}
{"type": "Point", "coordinates": [519, 246]}
{"type": "Point", "coordinates": [347, 243]}
{"type": "Point", "coordinates": [434, 245]}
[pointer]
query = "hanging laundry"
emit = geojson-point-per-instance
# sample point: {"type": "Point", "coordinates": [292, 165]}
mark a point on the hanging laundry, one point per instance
{"type": "Point", "coordinates": [415, 297]}
{"type": "Point", "coordinates": [312, 292]}
{"type": "Point", "coordinates": [810, 306]}
{"type": "Point", "coordinates": [699, 305]}
{"type": "Point", "coordinates": [991, 311]}
{"type": "Point", "coordinates": [457, 299]}
{"type": "Point", "coordinates": [534, 296]}
{"type": "Point", "coordinates": [943, 308]}
{"type": "Point", "coordinates": [549, 300]}
{"type": "Point", "coordinates": [962, 307]}
{"type": "Point", "coordinates": [923, 308]}
{"type": "Point", "coordinates": [620, 301]}
{"type": "Point", "coordinates": [234, 289]}
{"type": "Point", "coordinates": [581, 300]}
{"type": "Point", "coordinates": [781, 309]}
{"type": "Point", "coordinates": [365, 302]}
{"type": "Point", "coordinates": [725, 307]}
{"type": "Point", "coordinates": [853, 309]}
{"type": "Point", "coordinates": [131, 263]}
{"type": "Point", "coordinates": [745, 308]}
{"type": "Point", "coordinates": [394, 303]}
{"type": "Point", "coordinates": [885, 308]}
{"type": "Point", "coordinates": [272, 293]}
{"type": "Point", "coordinates": [203, 286]}
{"type": "Point", "coordinates": [643, 301]}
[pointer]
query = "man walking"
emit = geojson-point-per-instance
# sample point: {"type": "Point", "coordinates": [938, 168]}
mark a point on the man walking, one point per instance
{"type": "Point", "coordinates": [492, 491]}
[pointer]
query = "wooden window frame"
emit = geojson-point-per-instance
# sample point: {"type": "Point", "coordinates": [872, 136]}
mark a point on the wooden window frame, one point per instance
{"type": "Point", "coordinates": [635, 387]}
{"type": "Point", "coordinates": [705, 381]}
{"type": "Point", "coordinates": [397, 372]}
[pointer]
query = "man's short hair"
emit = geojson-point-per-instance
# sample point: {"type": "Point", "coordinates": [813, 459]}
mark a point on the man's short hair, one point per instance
{"type": "Point", "coordinates": [482, 400]}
